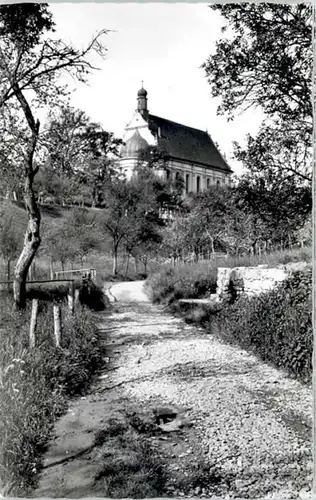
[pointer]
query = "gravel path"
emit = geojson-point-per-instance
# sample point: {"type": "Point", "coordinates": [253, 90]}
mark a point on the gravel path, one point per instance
{"type": "Point", "coordinates": [251, 423]}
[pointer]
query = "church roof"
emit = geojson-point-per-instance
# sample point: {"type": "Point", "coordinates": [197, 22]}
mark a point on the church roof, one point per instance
{"type": "Point", "coordinates": [134, 145]}
{"type": "Point", "coordinates": [186, 143]}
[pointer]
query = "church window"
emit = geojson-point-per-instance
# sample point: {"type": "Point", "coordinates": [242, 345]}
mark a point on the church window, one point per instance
{"type": "Point", "coordinates": [208, 182]}
{"type": "Point", "coordinates": [187, 180]}
{"type": "Point", "coordinates": [198, 181]}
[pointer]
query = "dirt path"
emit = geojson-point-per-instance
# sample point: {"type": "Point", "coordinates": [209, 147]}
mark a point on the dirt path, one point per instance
{"type": "Point", "coordinates": [243, 429]}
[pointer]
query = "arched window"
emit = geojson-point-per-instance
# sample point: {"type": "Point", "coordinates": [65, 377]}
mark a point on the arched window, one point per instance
{"type": "Point", "coordinates": [198, 183]}
{"type": "Point", "coordinates": [208, 183]}
{"type": "Point", "coordinates": [187, 183]}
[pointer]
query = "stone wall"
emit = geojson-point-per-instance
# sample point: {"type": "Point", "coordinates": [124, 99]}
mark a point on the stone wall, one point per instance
{"type": "Point", "coordinates": [251, 281]}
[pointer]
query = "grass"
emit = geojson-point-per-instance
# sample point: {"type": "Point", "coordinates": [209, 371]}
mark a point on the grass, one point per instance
{"type": "Point", "coordinates": [185, 281]}
{"type": "Point", "coordinates": [35, 385]}
{"type": "Point", "coordinates": [198, 280]}
{"type": "Point", "coordinates": [129, 466]}
{"type": "Point", "coordinates": [135, 463]}
{"type": "Point", "coordinates": [276, 326]}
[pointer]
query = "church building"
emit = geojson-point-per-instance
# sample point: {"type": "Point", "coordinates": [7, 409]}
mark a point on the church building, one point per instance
{"type": "Point", "coordinates": [191, 152]}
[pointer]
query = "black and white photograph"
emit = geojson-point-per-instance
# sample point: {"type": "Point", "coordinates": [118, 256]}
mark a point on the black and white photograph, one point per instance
{"type": "Point", "coordinates": [156, 230]}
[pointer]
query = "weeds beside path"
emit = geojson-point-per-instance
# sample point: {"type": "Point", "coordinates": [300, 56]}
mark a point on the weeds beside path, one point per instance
{"type": "Point", "coordinates": [245, 427]}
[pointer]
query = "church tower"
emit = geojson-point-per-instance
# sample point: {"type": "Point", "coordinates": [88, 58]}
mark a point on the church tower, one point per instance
{"type": "Point", "coordinates": [142, 103]}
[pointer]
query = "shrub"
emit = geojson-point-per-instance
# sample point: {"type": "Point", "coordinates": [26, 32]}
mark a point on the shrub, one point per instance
{"type": "Point", "coordinates": [34, 384]}
{"type": "Point", "coordinates": [186, 281]}
{"type": "Point", "coordinates": [276, 325]}
{"type": "Point", "coordinates": [92, 296]}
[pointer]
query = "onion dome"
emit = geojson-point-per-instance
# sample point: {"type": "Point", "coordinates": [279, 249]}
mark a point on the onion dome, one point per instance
{"type": "Point", "coordinates": [134, 145]}
{"type": "Point", "coordinates": [142, 92]}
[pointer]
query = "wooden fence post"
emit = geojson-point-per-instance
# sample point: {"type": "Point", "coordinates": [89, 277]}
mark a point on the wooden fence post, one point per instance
{"type": "Point", "coordinates": [76, 296]}
{"type": "Point", "coordinates": [51, 269]}
{"type": "Point", "coordinates": [33, 322]}
{"type": "Point", "coordinates": [71, 297]}
{"type": "Point", "coordinates": [57, 323]}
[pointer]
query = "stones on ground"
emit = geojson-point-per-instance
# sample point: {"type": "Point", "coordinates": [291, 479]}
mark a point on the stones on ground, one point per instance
{"type": "Point", "coordinates": [171, 419]}
{"type": "Point", "coordinates": [164, 414]}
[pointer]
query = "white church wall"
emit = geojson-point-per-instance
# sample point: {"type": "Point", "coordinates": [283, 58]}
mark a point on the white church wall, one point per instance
{"type": "Point", "coordinates": [208, 177]}
{"type": "Point", "coordinates": [138, 122]}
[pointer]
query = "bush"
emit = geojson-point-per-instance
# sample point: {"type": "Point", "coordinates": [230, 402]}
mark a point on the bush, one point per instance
{"type": "Point", "coordinates": [276, 325]}
{"type": "Point", "coordinates": [34, 385]}
{"type": "Point", "coordinates": [186, 281]}
{"type": "Point", "coordinates": [92, 296]}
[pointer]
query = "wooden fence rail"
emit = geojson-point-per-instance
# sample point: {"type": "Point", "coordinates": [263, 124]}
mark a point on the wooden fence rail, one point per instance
{"type": "Point", "coordinates": [91, 272]}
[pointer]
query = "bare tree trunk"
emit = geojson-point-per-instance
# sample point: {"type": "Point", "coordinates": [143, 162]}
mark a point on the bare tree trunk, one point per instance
{"type": "Point", "coordinates": [32, 238]}
{"type": "Point", "coordinates": [8, 273]}
{"type": "Point", "coordinates": [8, 269]}
{"type": "Point", "coordinates": [115, 261]}
{"type": "Point", "coordinates": [126, 264]}
{"type": "Point", "coordinates": [32, 241]}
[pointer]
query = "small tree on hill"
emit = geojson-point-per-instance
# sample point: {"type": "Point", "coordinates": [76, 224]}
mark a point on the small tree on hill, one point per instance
{"type": "Point", "coordinates": [71, 240]}
{"type": "Point", "coordinates": [11, 238]}
{"type": "Point", "coordinates": [131, 216]}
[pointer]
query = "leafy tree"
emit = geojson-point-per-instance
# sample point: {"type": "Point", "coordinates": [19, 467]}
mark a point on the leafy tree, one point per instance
{"type": "Point", "coordinates": [79, 154]}
{"type": "Point", "coordinates": [174, 238]}
{"type": "Point", "coordinates": [113, 219]}
{"type": "Point", "coordinates": [278, 152]}
{"type": "Point", "coordinates": [31, 63]}
{"type": "Point", "coordinates": [153, 161]}
{"type": "Point", "coordinates": [279, 204]}
{"type": "Point", "coordinates": [266, 61]}
{"type": "Point", "coordinates": [210, 210]}
{"type": "Point", "coordinates": [131, 216]}
{"type": "Point", "coordinates": [143, 236]}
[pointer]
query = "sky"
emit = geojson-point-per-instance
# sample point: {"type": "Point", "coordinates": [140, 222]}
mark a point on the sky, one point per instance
{"type": "Point", "coordinates": [163, 45]}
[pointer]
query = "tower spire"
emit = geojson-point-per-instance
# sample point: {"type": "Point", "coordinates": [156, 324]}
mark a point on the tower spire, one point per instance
{"type": "Point", "coordinates": [142, 102]}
